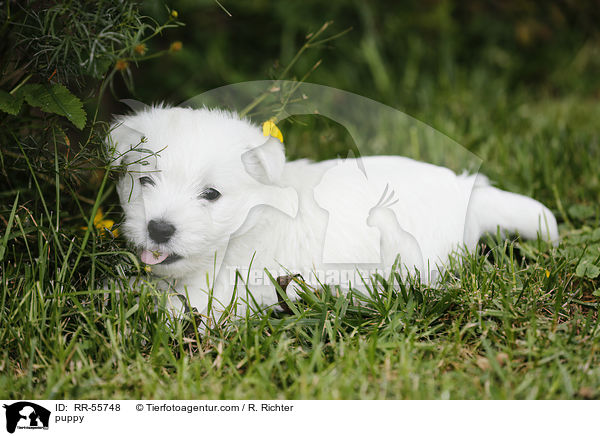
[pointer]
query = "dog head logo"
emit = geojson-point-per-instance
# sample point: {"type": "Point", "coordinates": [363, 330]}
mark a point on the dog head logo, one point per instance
{"type": "Point", "coordinates": [192, 180]}
{"type": "Point", "coordinates": [26, 415]}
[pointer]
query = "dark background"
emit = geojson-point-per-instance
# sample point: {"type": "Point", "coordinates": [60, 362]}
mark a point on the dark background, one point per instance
{"type": "Point", "coordinates": [394, 50]}
{"type": "Point", "coordinates": [464, 67]}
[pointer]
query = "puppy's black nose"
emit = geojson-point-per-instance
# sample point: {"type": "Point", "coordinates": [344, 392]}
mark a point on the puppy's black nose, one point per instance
{"type": "Point", "coordinates": [160, 231]}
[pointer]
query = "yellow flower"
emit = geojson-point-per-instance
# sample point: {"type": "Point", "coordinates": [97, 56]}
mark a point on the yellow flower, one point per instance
{"type": "Point", "coordinates": [547, 273]}
{"type": "Point", "coordinates": [174, 14]}
{"type": "Point", "coordinates": [176, 46]}
{"type": "Point", "coordinates": [121, 65]}
{"type": "Point", "coordinates": [140, 49]}
{"type": "Point", "coordinates": [271, 129]}
{"type": "Point", "coordinates": [104, 224]}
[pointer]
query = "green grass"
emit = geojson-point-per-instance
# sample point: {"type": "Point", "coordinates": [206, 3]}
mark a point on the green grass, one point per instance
{"type": "Point", "coordinates": [517, 320]}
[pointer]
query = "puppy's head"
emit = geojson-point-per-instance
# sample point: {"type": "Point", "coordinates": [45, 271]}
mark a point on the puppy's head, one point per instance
{"type": "Point", "coordinates": [190, 179]}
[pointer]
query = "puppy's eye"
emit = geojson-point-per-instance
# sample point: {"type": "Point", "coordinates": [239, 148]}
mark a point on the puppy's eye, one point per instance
{"type": "Point", "coordinates": [210, 194]}
{"type": "Point", "coordinates": [147, 181]}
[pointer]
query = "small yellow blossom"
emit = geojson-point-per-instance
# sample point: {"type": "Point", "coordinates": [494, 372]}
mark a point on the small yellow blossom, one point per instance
{"type": "Point", "coordinates": [104, 224]}
{"type": "Point", "coordinates": [547, 274]}
{"type": "Point", "coordinates": [271, 129]}
{"type": "Point", "coordinates": [176, 46]}
{"type": "Point", "coordinates": [174, 14]}
{"type": "Point", "coordinates": [140, 49]}
{"type": "Point", "coordinates": [121, 65]}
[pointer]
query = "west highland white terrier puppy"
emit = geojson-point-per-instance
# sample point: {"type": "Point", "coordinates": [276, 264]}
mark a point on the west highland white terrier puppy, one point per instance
{"type": "Point", "coordinates": [209, 199]}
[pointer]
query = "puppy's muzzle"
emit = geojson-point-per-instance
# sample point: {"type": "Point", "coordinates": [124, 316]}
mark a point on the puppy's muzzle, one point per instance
{"type": "Point", "coordinates": [160, 231]}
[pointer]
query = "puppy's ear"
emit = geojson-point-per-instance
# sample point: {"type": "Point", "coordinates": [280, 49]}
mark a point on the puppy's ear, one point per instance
{"type": "Point", "coordinates": [121, 139]}
{"type": "Point", "coordinates": [265, 162]}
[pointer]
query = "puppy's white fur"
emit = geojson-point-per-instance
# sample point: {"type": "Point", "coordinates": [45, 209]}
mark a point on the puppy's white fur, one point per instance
{"type": "Point", "coordinates": [278, 215]}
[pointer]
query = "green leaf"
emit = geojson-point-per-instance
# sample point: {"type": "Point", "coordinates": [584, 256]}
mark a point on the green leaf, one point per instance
{"type": "Point", "coordinates": [586, 268]}
{"type": "Point", "coordinates": [102, 66]}
{"type": "Point", "coordinates": [9, 103]}
{"type": "Point", "coordinates": [582, 211]}
{"type": "Point", "coordinates": [55, 99]}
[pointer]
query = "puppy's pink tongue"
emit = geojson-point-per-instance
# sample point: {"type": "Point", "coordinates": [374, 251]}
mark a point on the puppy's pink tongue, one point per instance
{"type": "Point", "coordinates": [149, 258]}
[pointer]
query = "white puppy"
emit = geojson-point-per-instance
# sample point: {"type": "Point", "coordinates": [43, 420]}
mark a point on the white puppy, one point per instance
{"type": "Point", "coordinates": [206, 194]}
